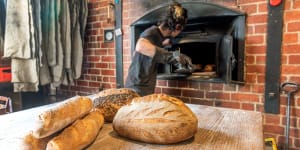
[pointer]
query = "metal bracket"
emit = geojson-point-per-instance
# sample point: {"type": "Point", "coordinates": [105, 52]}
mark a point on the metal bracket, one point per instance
{"type": "Point", "coordinates": [273, 58]}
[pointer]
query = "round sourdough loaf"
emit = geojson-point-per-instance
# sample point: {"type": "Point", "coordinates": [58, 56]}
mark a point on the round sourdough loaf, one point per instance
{"type": "Point", "coordinates": [156, 118]}
{"type": "Point", "coordinates": [109, 101]}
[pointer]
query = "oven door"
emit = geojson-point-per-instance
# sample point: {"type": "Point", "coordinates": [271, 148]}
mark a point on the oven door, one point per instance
{"type": "Point", "coordinates": [226, 59]}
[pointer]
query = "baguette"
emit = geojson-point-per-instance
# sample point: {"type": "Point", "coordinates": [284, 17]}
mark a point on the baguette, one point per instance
{"type": "Point", "coordinates": [80, 134]}
{"type": "Point", "coordinates": [62, 115]}
{"type": "Point", "coordinates": [111, 100]}
{"type": "Point", "coordinates": [156, 118]}
{"type": "Point", "coordinates": [31, 143]}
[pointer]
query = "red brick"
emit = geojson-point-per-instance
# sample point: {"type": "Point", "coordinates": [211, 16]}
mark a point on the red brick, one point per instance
{"type": "Point", "coordinates": [260, 60]}
{"type": "Point", "coordinates": [261, 78]}
{"type": "Point", "coordinates": [296, 4]}
{"type": "Point", "coordinates": [293, 26]}
{"type": "Point", "coordinates": [294, 59]}
{"type": "Point", "coordinates": [258, 88]}
{"type": "Point", "coordinates": [254, 49]}
{"type": "Point", "coordinates": [157, 90]}
{"type": "Point", "coordinates": [250, 30]}
{"type": "Point", "coordinates": [245, 88]}
{"type": "Point", "coordinates": [290, 38]}
{"type": "Point", "coordinates": [194, 85]}
{"type": "Point", "coordinates": [295, 69]}
{"type": "Point", "coordinates": [250, 78]}
{"type": "Point", "coordinates": [255, 39]}
{"type": "Point", "coordinates": [171, 91]}
{"type": "Point", "coordinates": [255, 69]}
{"type": "Point", "coordinates": [259, 107]}
{"type": "Point", "coordinates": [256, 19]}
{"type": "Point", "coordinates": [293, 48]}
{"type": "Point", "coordinates": [107, 85]}
{"type": "Point", "coordinates": [112, 79]}
{"type": "Point", "coordinates": [229, 104]}
{"type": "Point", "coordinates": [263, 7]}
{"type": "Point", "coordinates": [293, 121]}
{"type": "Point", "coordinates": [250, 59]}
{"type": "Point", "coordinates": [295, 79]}
{"type": "Point", "coordinates": [247, 106]}
{"type": "Point", "coordinates": [108, 72]}
{"type": "Point", "coordinates": [101, 65]}
{"type": "Point", "coordinates": [192, 93]}
{"type": "Point", "coordinates": [249, 9]}
{"type": "Point", "coordinates": [249, 1]}
{"type": "Point", "coordinates": [292, 15]}
{"type": "Point", "coordinates": [82, 83]}
{"type": "Point", "coordinates": [205, 86]}
{"type": "Point", "coordinates": [173, 83]}
{"type": "Point", "coordinates": [297, 141]}
{"type": "Point", "coordinates": [185, 99]}
{"type": "Point", "coordinates": [284, 59]}
{"type": "Point", "coordinates": [245, 97]}
{"type": "Point", "coordinates": [260, 28]}
{"type": "Point", "coordinates": [230, 87]}
{"type": "Point", "coordinates": [161, 83]}
{"type": "Point", "coordinates": [274, 129]}
{"type": "Point", "coordinates": [218, 95]}
{"type": "Point", "coordinates": [182, 84]}
{"type": "Point", "coordinates": [201, 102]}
{"type": "Point", "coordinates": [93, 59]}
{"type": "Point", "coordinates": [108, 59]}
{"type": "Point", "coordinates": [94, 84]}
{"type": "Point", "coordinates": [271, 119]}
{"type": "Point", "coordinates": [217, 86]}
{"type": "Point", "coordinates": [94, 71]}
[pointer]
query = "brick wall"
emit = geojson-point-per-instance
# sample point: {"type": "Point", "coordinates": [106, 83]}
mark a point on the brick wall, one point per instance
{"type": "Point", "coordinates": [99, 63]}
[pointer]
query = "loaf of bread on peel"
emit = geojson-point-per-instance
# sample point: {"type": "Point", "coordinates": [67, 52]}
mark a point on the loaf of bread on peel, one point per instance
{"type": "Point", "coordinates": [80, 134]}
{"type": "Point", "coordinates": [62, 115]}
{"type": "Point", "coordinates": [156, 118]}
{"type": "Point", "coordinates": [109, 101]}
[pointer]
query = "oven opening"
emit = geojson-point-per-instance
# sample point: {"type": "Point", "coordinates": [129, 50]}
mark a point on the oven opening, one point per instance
{"type": "Point", "coordinates": [204, 56]}
{"type": "Point", "coordinates": [214, 38]}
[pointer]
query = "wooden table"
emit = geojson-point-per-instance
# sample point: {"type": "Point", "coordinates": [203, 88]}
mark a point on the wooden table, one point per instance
{"type": "Point", "coordinates": [218, 128]}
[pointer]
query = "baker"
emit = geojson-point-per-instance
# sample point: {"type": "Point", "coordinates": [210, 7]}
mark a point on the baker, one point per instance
{"type": "Point", "coordinates": [149, 51]}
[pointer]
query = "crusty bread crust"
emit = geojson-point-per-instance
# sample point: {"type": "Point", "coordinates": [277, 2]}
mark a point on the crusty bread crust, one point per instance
{"type": "Point", "coordinates": [80, 134]}
{"type": "Point", "coordinates": [111, 100]}
{"type": "Point", "coordinates": [156, 118]}
{"type": "Point", "coordinates": [31, 143]}
{"type": "Point", "coordinates": [62, 115]}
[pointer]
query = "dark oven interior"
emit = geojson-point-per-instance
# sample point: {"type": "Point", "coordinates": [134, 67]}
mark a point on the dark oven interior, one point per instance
{"type": "Point", "coordinates": [213, 38]}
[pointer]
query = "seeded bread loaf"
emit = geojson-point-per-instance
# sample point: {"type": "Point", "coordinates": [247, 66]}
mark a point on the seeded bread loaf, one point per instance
{"type": "Point", "coordinates": [62, 115]}
{"type": "Point", "coordinates": [156, 118]}
{"type": "Point", "coordinates": [109, 101]}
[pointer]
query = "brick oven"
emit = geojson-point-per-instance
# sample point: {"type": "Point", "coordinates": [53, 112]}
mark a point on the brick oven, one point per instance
{"type": "Point", "coordinates": [213, 38]}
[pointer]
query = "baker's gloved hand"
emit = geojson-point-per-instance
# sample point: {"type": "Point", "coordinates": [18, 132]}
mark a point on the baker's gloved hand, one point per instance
{"type": "Point", "coordinates": [184, 60]}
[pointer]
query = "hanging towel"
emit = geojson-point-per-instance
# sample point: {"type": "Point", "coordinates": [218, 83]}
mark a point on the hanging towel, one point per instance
{"type": "Point", "coordinates": [24, 75]}
{"type": "Point", "coordinates": [22, 43]}
{"type": "Point", "coordinates": [76, 37]}
{"type": "Point", "coordinates": [17, 38]}
{"type": "Point", "coordinates": [2, 25]}
{"type": "Point", "coordinates": [57, 69]}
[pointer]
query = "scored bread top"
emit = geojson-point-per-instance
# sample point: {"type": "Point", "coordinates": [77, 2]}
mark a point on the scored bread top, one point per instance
{"type": "Point", "coordinates": [156, 118]}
